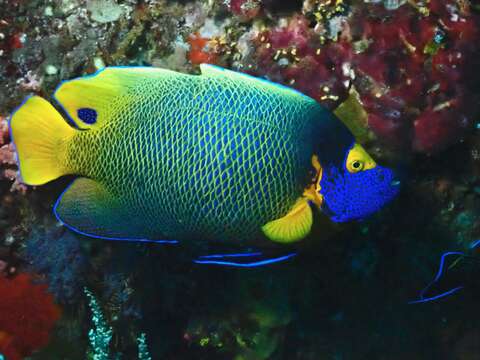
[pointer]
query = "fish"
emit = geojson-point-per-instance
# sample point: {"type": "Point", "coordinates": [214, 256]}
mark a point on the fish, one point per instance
{"type": "Point", "coordinates": [221, 156]}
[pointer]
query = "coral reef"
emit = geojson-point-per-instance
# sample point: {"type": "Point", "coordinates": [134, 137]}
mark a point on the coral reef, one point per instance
{"type": "Point", "coordinates": [100, 335]}
{"type": "Point", "coordinates": [201, 50]}
{"type": "Point", "coordinates": [294, 54]}
{"type": "Point", "coordinates": [414, 82]}
{"type": "Point", "coordinates": [56, 254]}
{"type": "Point", "coordinates": [27, 316]}
{"type": "Point", "coordinates": [245, 9]}
{"type": "Point", "coordinates": [244, 330]}
{"type": "Point", "coordinates": [118, 293]}
{"type": "Point", "coordinates": [8, 162]}
{"type": "Point", "coordinates": [416, 77]}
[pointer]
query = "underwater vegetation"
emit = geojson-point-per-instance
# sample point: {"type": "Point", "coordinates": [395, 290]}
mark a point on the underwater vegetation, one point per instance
{"type": "Point", "coordinates": [402, 75]}
{"type": "Point", "coordinates": [100, 335]}
{"type": "Point", "coordinates": [57, 255]}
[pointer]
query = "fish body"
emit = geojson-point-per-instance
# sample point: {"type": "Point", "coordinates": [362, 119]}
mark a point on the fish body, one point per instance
{"type": "Point", "coordinates": [164, 155]}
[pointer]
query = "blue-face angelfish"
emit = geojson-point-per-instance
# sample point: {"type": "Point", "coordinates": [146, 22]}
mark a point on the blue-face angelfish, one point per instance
{"type": "Point", "coordinates": [219, 156]}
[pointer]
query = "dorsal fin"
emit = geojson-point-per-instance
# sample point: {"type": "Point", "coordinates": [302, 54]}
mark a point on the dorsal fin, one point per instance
{"type": "Point", "coordinates": [92, 99]}
{"type": "Point", "coordinates": [217, 71]}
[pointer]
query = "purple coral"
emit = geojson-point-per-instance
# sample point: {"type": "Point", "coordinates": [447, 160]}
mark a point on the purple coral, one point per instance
{"type": "Point", "coordinates": [417, 69]}
{"type": "Point", "coordinates": [8, 161]}
{"type": "Point", "coordinates": [293, 54]}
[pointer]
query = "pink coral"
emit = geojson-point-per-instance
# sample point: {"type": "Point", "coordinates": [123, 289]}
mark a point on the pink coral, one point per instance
{"type": "Point", "coordinates": [8, 163]}
{"type": "Point", "coordinates": [417, 75]}
{"type": "Point", "coordinates": [7, 154]}
{"type": "Point", "coordinates": [4, 132]}
{"type": "Point", "coordinates": [294, 55]}
{"type": "Point", "coordinates": [7, 150]}
{"type": "Point", "coordinates": [434, 127]}
{"type": "Point", "coordinates": [413, 71]}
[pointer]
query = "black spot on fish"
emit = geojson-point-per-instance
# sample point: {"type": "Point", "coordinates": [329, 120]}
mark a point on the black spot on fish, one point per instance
{"type": "Point", "coordinates": [87, 115]}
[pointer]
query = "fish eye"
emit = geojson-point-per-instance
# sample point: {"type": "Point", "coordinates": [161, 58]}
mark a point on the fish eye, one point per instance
{"type": "Point", "coordinates": [356, 165]}
{"type": "Point", "coordinates": [87, 115]}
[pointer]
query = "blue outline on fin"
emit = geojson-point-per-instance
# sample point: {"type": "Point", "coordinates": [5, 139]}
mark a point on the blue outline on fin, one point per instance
{"type": "Point", "coordinates": [436, 297]}
{"type": "Point", "coordinates": [71, 121]}
{"type": "Point", "coordinates": [260, 79]}
{"type": "Point", "coordinates": [436, 278]}
{"type": "Point", "coordinates": [99, 236]}
{"type": "Point", "coordinates": [474, 244]}
{"type": "Point", "coordinates": [222, 256]}
{"type": "Point", "coordinates": [246, 265]}
{"type": "Point", "coordinates": [440, 270]}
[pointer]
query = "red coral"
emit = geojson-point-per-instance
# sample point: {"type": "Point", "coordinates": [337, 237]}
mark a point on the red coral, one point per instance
{"type": "Point", "coordinates": [11, 38]}
{"type": "Point", "coordinates": [7, 347]}
{"type": "Point", "coordinates": [435, 128]}
{"type": "Point", "coordinates": [17, 40]}
{"type": "Point", "coordinates": [200, 52]}
{"type": "Point", "coordinates": [27, 316]}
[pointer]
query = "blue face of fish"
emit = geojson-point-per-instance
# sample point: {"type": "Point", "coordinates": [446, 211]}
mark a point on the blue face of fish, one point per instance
{"type": "Point", "coordinates": [357, 188]}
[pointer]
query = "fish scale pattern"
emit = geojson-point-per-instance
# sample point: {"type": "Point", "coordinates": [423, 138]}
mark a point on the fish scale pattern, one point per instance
{"type": "Point", "coordinates": [202, 156]}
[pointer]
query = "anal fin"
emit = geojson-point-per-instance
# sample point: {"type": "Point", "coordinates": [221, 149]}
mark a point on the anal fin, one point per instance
{"type": "Point", "coordinates": [292, 227]}
{"type": "Point", "coordinates": [88, 208]}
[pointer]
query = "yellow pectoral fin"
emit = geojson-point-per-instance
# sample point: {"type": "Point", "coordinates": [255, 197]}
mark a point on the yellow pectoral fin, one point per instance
{"type": "Point", "coordinates": [292, 227]}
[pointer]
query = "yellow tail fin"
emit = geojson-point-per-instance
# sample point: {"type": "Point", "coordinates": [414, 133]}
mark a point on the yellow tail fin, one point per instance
{"type": "Point", "coordinates": [40, 133]}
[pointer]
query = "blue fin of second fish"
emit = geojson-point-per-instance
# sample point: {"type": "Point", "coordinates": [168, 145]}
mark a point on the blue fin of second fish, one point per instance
{"type": "Point", "coordinates": [243, 259]}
